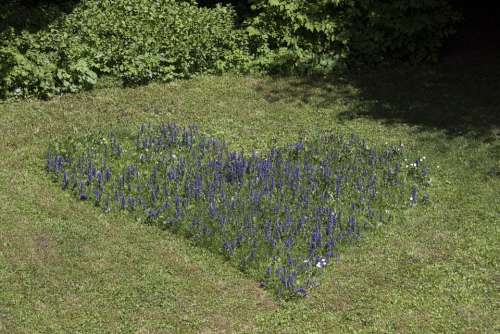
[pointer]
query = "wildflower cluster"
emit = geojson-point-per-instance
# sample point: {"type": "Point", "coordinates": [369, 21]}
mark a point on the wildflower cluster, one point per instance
{"type": "Point", "coordinates": [279, 216]}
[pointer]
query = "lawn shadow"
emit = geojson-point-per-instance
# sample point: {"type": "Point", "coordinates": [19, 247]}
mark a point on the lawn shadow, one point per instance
{"type": "Point", "coordinates": [459, 98]}
{"type": "Point", "coordinates": [460, 94]}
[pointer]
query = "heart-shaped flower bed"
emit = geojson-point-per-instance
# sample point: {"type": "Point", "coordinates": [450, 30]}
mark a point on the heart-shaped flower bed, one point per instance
{"type": "Point", "coordinates": [279, 216]}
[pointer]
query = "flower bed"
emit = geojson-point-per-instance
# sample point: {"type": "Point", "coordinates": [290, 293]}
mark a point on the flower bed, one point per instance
{"type": "Point", "coordinates": [280, 216]}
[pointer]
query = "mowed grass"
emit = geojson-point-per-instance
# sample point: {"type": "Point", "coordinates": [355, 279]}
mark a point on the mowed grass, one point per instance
{"type": "Point", "coordinates": [67, 268]}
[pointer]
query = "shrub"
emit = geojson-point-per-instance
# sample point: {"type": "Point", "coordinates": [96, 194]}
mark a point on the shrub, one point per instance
{"type": "Point", "coordinates": [35, 73]}
{"type": "Point", "coordinates": [138, 41]}
{"type": "Point", "coordinates": [319, 35]}
{"type": "Point", "coordinates": [134, 40]}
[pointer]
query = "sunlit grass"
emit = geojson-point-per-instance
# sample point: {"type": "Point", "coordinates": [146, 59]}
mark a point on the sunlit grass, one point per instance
{"type": "Point", "coordinates": [64, 266]}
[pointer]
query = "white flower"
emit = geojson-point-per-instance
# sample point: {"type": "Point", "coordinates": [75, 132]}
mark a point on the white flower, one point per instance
{"type": "Point", "coordinates": [321, 263]}
{"type": "Point", "coordinates": [423, 158]}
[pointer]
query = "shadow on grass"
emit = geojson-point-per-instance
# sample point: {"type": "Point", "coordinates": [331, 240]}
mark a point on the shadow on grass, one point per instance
{"type": "Point", "coordinates": [454, 97]}
{"type": "Point", "coordinates": [460, 95]}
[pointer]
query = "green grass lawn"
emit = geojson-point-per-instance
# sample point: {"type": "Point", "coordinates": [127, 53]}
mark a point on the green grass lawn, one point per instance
{"type": "Point", "coordinates": [67, 268]}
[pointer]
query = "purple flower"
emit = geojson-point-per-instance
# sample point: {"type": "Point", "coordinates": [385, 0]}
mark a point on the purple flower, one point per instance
{"type": "Point", "coordinates": [197, 186]}
{"type": "Point", "coordinates": [228, 247]}
{"type": "Point", "coordinates": [352, 225]}
{"type": "Point", "coordinates": [90, 177]}
{"type": "Point", "coordinates": [107, 174]}
{"type": "Point", "coordinates": [222, 221]}
{"type": "Point", "coordinates": [97, 195]}
{"type": "Point", "coordinates": [212, 209]}
{"type": "Point", "coordinates": [268, 231]}
{"type": "Point", "coordinates": [131, 202]}
{"type": "Point", "coordinates": [332, 221]}
{"type": "Point", "coordinates": [413, 198]}
{"type": "Point", "coordinates": [172, 175]}
{"type": "Point", "coordinates": [177, 206]}
{"type": "Point", "coordinates": [58, 164]}
{"type": "Point", "coordinates": [292, 278]}
{"type": "Point", "coordinates": [330, 246]}
{"type": "Point", "coordinates": [123, 202]}
{"type": "Point", "coordinates": [99, 178]}
{"type": "Point", "coordinates": [315, 242]}
{"type": "Point", "coordinates": [83, 194]}
{"type": "Point", "coordinates": [65, 180]}
{"type": "Point", "coordinates": [372, 186]}
{"type": "Point", "coordinates": [299, 146]}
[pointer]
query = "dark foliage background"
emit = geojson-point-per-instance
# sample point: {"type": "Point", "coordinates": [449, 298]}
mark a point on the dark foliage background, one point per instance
{"type": "Point", "coordinates": [273, 36]}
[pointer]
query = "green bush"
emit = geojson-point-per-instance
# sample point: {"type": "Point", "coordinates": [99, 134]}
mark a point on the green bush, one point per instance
{"type": "Point", "coordinates": [138, 41]}
{"type": "Point", "coordinates": [319, 35]}
{"type": "Point", "coordinates": [135, 40]}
